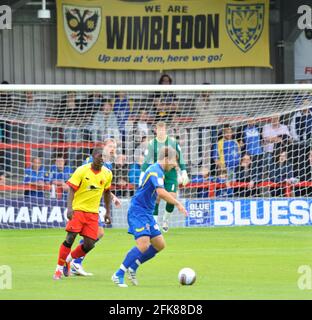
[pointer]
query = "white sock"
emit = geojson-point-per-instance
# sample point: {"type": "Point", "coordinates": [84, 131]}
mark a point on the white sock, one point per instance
{"type": "Point", "coordinates": [69, 258]}
{"type": "Point", "coordinates": [59, 268]}
{"type": "Point", "coordinates": [166, 215]}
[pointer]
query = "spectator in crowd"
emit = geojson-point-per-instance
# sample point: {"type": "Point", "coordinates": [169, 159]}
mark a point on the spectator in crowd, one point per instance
{"type": "Point", "coordinates": [251, 138]}
{"type": "Point", "coordinates": [207, 112]}
{"type": "Point", "coordinates": [164, 104]}
{"type": "Point", "coordinates": [33, 107]}
{"type": "Point", "coordinates": [2, 176]}
{"type": "Point", "coordinates": [301, 123]}
{"type": "Point", "coordinates": [2, 179]}
{"type": "Point", "coordinates": [246, 174]}
{"type": "Point", "coordinates": [122, 109]}
{"type": "Point", "coordinates": [120, 175]}
{"type": "Point", "coordinates": [280, 171]}
{"type": "Point", "coordinates": [77, 111]}
{"type": "Point", "coordinates": [202, 177]}
{"type": "Point", "coordinates": [155, 97]}
{"type": "Point", "coordinates": [207, 117]}
{"type": "Point", "coordinates": [78, 108]}
{"type": "Point", "coordinates": [59, 174]}
{"type": "Point", "coordinates": [2, 131]}
{"type": "Point", "coordinates": [141, 148]}
{"type": "Point", "coordinates": [135, 171]}
{"type": "Point", "coordinates": [105, 123]}
{"type": "Point", "coordinates": [224, 190]}
{"type": "Point", "coordinates": [226, 153]}
{"type": "Point", "coordinates": [36, 177]}
{"type": "Point", "coordinates": [166, 109]}
{"type": "Point", "coordinates": [32, 111]}
{"type": "Point", "coordinates": [165, 79]}
{"type": "Point", "coordinates": [141, 127]}
{"type": "Point", "coordinates": [275, 136]}
{"type": "Point", "coordinates": [301, 132]}
{"type": "Point", "coordinates": [305, 173]}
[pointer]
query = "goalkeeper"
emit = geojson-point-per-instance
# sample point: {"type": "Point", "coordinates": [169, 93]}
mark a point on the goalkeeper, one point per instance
{"type": "Point", "coordinates": [171, 177]}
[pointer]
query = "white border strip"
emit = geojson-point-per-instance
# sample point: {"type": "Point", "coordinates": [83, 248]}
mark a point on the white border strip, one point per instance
{"type": "Point", "coordinates": [144, 88]}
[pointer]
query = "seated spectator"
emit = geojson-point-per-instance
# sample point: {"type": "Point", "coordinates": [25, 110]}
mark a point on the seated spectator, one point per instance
{"type": "Point", "coordinates": [224, 191]}
{"type": "Point", "coordinates": [226, 153]}
{"type": "Point", "coordinates": [120, 175]}
{"type": "Point", "coordinates": [59, 174]}
{"type": "Point", "coordinates": [202, 177]}
{"type": "Point", "coordinates": [246, 174]}
{"type": "Point", "coordinates": [36, 176]}
{"type": "Point", "coordinates": [280, 171]}
{"type": "Point", "coordinates": [135, 171]}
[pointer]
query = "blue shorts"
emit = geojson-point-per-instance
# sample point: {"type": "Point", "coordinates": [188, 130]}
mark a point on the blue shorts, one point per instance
{"type": "Point", "coordinates": [142, 224]}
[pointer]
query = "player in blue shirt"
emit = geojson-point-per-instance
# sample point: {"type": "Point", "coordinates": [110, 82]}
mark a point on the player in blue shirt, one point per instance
{"type": "Point", "coordinates": [109, 149]}
{"type": "Point", "coordinates": [142, 224]}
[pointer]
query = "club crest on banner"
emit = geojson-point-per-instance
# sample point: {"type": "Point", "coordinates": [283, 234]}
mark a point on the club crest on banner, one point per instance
{"type": "Point", "coordinates": [82, 26]}
{"type": "Point", "coordinates": [244, 24]}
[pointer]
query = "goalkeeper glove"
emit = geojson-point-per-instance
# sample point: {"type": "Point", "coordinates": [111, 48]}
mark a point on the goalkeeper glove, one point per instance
{"type": "Point", "coordinates": [184, 177]}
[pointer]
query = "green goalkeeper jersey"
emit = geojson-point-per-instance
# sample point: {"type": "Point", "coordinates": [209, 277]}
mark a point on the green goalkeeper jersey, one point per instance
{"type": "Point", "coordinates": [154, 146]}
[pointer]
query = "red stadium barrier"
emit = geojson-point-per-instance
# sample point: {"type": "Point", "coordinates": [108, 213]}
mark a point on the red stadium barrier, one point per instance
{"type": "Point", "coordinates": [211, 186]}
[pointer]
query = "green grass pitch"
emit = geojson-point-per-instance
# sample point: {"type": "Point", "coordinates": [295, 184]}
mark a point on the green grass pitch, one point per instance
{"type": "Point", "coordinates": [231, 263]}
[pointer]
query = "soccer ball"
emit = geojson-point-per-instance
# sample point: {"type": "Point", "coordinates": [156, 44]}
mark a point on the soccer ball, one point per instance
{"type": "Point", "coordinates": [187, 276]}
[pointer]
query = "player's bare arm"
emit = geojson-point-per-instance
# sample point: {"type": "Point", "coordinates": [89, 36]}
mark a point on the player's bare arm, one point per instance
{"type": "Point", "coordinates": [115, 200]}
{"type": "Point", "coordinates": [107, 201]}
{"type": "Point", "coordinates": [70, 198]}
{"type": "Point", "coordinates": [165, 195]}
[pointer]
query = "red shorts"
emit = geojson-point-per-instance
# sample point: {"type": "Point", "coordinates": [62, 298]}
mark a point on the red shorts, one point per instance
{"type": "Point", "coordinates": [84, 223]}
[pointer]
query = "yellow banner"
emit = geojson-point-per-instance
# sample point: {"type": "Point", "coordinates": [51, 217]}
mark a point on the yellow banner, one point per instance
{"type": "Point", "coordinates": [162, 34]}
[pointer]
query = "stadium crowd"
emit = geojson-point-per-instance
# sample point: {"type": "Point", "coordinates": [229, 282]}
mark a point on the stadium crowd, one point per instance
{"type": "Point", "coordinates": [237, 160]}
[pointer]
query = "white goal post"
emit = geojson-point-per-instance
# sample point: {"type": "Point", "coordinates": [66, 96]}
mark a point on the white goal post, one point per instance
{"type": "Point", "coordinates": [246, 149]}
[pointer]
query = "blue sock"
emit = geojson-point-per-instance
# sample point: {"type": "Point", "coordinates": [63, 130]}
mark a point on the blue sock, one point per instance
{"type": "Point", "coordinates": [131, 257]}
{"type": "Point", "coordinates": [147, 255]}
{"type": "Point", "coordinates": [79, 260]}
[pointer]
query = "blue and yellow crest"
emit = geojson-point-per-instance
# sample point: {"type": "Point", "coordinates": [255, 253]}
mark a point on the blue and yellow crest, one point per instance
{"type": "Point", "coordinates": [244, 24]}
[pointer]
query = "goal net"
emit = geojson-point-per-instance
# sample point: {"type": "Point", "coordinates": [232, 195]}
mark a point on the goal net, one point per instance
{"type": "Point", "coordinates": [246, 150]}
